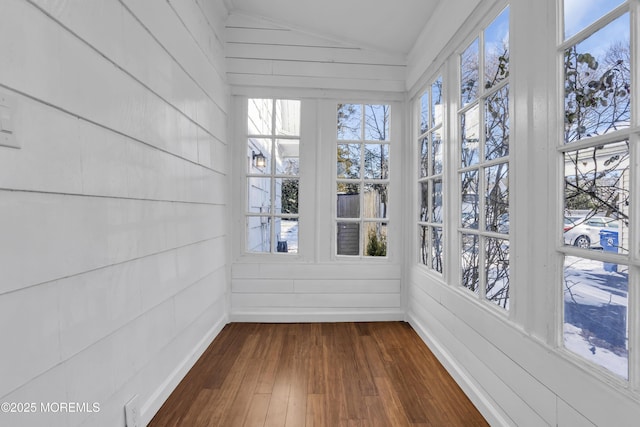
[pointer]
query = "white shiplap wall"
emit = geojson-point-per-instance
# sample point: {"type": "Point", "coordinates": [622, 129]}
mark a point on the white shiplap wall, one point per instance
{"type": "Point", "coordinates": [266, 54]}
{"type": "Point", "coordinates": [113, 271]}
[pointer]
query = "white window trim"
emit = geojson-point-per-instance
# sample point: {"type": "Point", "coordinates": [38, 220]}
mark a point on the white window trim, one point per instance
{"type": "Point", "coordinates": [632, 259]}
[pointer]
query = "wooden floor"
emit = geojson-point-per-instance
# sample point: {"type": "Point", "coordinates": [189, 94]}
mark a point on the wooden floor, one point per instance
{"type": "Point", "coordinates": [318, 374]}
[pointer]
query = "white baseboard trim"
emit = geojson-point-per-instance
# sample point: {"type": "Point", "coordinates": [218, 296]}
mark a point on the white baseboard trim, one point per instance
{"type": "Point", "coordinates": [470, 387]}
{"type": "Point", "coordinates": [155, 401]}
{"type": "Point", "coordinates": [317, 316]}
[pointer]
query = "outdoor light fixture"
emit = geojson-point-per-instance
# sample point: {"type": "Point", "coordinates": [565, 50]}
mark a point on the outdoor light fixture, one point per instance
{"type": "Point", "coordinates": [259, 160]}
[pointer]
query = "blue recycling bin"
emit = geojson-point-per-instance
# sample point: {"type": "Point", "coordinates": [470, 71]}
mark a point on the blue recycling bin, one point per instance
{"type": "Point", "coordinates": [609, 243]}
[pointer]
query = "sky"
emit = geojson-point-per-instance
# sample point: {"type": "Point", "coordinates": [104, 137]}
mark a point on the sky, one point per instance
{"type": "Point", "coordinates": [580, 13]}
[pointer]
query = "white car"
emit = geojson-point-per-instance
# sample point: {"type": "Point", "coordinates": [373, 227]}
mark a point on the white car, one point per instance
{"type": "Point", "coordinates": [584, 232]}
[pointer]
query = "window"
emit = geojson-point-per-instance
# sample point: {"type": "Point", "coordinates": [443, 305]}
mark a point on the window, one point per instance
{"type": "Point", "coordinates": [483, 169]}
{"type": "Point", "coordinates": [596, 149]}
{"type": "Point", "coordinates": [362, 179]}
{"type": "Point", "coordinates": [273, 176]}
{"type": "Point", "coordinates": [430, 153]}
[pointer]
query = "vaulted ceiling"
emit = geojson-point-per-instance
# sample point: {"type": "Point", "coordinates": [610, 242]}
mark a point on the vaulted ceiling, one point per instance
{"type": "Point", "coordinates": [391, 26]}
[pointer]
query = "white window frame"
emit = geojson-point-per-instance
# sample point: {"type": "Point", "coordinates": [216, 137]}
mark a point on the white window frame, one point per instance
{"type": "Point", "coordinates": [362, 181]}
{"type": "Point", "coordinates": [429, 178]}
{"type": "Point", "coordinates": [632, 134]}
{"type": "Point", "coordinates": [454, 162]}
{"type": "Point", "coordinates": [272, 176]}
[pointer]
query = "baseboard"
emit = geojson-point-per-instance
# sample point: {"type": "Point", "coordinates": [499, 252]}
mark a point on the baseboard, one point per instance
{"type": "Point", "coordinates": [155, 401]}
{"type": "Point", "coordinates": [317, 316]}
{"type": "Point", "coordinates": [470, 387]}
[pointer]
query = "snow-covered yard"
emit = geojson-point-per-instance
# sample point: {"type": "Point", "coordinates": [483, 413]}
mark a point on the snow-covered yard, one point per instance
{"type": "Point", "coordinates": [596, 303]}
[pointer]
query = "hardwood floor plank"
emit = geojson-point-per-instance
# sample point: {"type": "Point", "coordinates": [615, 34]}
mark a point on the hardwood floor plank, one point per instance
{"type": "Point", "coordinates": [316, 413]}
{"type": "Point", "coordinates": [377, 374]}
{"type": "Point", "coordinates": [257, 410]}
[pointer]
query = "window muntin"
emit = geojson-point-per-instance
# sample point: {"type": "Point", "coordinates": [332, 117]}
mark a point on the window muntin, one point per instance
{"type": "Point", "coordinates": [596, 152]}
{"type": "Point", "coordinates": [273, 176]}
{"type": "Point", "coordinates": [430, 178]}
{"type": "Point", "coordinates": [362, 179]}
{"type": "Point", "coordinates": [484, 163]}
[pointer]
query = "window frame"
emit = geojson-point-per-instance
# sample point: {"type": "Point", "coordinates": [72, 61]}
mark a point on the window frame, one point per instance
{"type": "Point", "coordinates": [559, 148]}
{"type": "Point", "coordinates": [272, 176]}
{"type": "Point", "coordinates": [455, 162]}
{"type": "Point", "coordinates": [362, 181]}
{"type": "Point", "coordinates": [429, 178]}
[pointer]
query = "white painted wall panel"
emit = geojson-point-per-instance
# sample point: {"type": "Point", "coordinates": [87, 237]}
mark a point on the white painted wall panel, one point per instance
{"type": "Point", "coordinates": [29, 321]}
{"type": "Point", "coordinates": [310, 300]}
{"type": "Point", "coordinates": [113, 212]}
{"type": "Point", "coordinates": [45, 148]}
{"type": "Point", "coordinates": [317, 271]}
{"type": "Point", "coordinates": [315, 292]}
{"type": "Point", "coordinates": [262, 53]}
{"type": "Point", "coordinates": [347, 286]}
{"type": "Point", "coordinates": [269, 286]}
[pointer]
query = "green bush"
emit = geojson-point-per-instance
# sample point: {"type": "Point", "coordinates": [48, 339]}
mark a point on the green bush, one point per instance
{"type": "Point", "coordinates": [375, 246]}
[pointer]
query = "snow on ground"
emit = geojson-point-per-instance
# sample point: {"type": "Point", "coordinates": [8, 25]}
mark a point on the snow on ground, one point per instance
{"type": "Point", "coordinates": [596, 298]}
{"type": "Point", "coordinates": [587, 282]}
{"type": "Point", "coordinates": [578, 344]}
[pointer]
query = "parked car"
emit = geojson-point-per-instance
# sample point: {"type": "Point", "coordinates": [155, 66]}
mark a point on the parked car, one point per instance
{"type": "Point", "coordinates": [584, 231]}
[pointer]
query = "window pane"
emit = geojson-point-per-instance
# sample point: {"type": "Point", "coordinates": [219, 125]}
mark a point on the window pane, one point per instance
{"type": "Point", "coordinates": [259, 156]}
{"type": "Point", "coordinates": [469, 74]}
{"type": "Point", "coordinates": [497, 124]}
{"type": "Point", "coordinates": [436, 249]}
{"type": "Point", "coordinates": [424, 201]}
{"type": "Point", "coordinates": [348, 200]}
{"type": "Point", "coordinates": [348, 238]}
{"type": "Point", "coordinates": [286, 196]}
{"type": "Point", "coordinates": [597, 197]}
{"type": "Point", "coordinates": [424, 157]}
{"type": "Point", "coordinates": [376, 123]}
{"type": "Point", "coordinates": [350, 121]}
{"type": "Point", "coordinates": [578, 14]}
{"type": "Point", "coordinates": [496, 50]}
{"type": "Point", "coordinates": [375, 239]}
{"type": "Point", "coordinates": [497, 198]}
{"type": "Point", "coordinates": [436, 152]}
{"type": "Point", "coordinates": [287, 157]}
{"type": "Point", "coordinates": [436, 102]}
{"type": "Point", "coordinates": [287, 117]}
{"type": "Point", "coordinates": [597, 83]}
{"type": "Point", "coordinates": [258, 234]}
{"type": "Point", "coordinates": [424, 112]}
{"type": "Point", "coordinates": [436, 201]}
{"type": "Point", "coordinates": [423, 243]}
{"type": "Point", "coordinates": [376, 161]}
{"type": "Point", "coordinates": [375, 200]}
{"type": "Point", "coordinates": [469, 262]}
{"type": "Point", "coordinates": [470, 200]}
{"type": "Point", "coordinates": [260, 117]}
{"type": "Point", "coordinates": [259, 195]}
{"type": "Point", "coordinates": [286, 235]}
{"type": "Point", "coordinates": [470, 124]}
{"type": "Point", "coordinates": [497, 271]}
{"type": "Point", "coordinates": [349, 161]}
{"type": "Point", "coordinates": [595, 312]}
